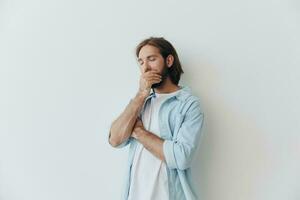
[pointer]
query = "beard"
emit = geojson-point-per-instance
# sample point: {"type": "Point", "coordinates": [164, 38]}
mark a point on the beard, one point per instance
{"type": "Point", "coordinates": [164, 75]}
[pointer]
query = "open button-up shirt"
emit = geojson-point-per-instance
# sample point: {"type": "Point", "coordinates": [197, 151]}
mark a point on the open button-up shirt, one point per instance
{"type": "Point", "coordinates": [181, 120]}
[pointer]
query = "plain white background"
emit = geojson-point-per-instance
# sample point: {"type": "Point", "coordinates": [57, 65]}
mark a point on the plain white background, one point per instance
{"type": "Point", "coordinates": [67, 69]}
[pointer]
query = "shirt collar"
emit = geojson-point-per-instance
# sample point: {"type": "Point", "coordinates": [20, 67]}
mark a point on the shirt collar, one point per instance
{"type": "Point", "coordinates": [182, 95]}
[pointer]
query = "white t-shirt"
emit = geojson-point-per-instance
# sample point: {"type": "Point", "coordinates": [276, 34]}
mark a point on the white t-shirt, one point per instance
{"type": "Point", "coordinates": [149, 178]}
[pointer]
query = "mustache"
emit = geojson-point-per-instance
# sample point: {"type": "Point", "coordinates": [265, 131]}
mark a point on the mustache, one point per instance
{"type": "Point", "coordinates": [164, 75]}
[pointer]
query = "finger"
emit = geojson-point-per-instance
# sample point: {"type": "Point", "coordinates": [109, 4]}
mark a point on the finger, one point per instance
{"type": "Point", "coordinates": [152, 76]}
{"type": "Point", "coordinates": [155, 80]}
{"type": "Point", "coordinates": [152, 72]}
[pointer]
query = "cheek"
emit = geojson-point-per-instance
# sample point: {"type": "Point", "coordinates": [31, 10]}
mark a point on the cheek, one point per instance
{"type": "Point", "coordinates": [157, 66]}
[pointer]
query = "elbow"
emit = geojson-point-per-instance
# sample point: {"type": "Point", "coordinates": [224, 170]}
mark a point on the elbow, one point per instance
{"type": "Point", "coordinates": [178, 156]}
{"type": "Point", "coordinates": [184, 158]}
{"type": "Point", "coordinates": [183, 165]}
{"type": "Point", "coordinates": [112, 141]}
{"type": "Point", "coordinates": [117, 142]}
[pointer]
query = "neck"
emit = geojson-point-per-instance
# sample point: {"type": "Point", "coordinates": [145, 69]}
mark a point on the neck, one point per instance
{"type": "Point", "coordinates": [167, 87]}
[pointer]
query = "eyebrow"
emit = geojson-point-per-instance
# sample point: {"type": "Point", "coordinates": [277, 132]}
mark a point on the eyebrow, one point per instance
{"type": "Point", "coordinates": [153, 55]}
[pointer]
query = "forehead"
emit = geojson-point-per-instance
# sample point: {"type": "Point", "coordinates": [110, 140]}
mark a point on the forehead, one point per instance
{"type": "Point", "coordinates": [148, 50]}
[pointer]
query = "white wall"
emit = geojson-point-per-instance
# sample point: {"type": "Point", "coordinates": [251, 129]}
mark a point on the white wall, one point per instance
{"type": "Point", "coordinates": [67, 69]}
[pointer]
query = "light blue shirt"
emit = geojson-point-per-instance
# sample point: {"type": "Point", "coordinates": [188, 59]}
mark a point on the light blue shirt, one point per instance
{"type": "Point", "coordinates": [181, 120]}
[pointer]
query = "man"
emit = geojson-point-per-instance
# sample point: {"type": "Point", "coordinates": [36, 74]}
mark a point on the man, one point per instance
{"type": "Point", "coordinates": [162, 128]}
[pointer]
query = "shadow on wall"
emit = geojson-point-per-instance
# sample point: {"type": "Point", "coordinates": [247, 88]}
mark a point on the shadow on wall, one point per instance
{"type": "Point", "coordinates": [230, 157]}
{"type": "Point", "coordinates": [1, 184]}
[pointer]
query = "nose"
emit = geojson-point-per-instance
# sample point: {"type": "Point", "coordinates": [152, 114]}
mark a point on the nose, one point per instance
{"type": "Point", "coordinates": [146, 67]}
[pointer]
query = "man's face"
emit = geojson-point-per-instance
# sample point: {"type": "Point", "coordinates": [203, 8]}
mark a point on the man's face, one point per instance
{"type": "Point", "coordinates": [150, 59]}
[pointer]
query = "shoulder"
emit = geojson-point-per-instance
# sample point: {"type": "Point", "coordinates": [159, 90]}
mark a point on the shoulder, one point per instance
{"type": "Point", "coordinates": [190, 102]}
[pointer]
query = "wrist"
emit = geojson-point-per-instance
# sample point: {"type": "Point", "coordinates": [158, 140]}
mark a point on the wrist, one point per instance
{"type": "Point", "coordinates": [138, 132]}
{"type": "Point", "coordinates": [140, 96]}
{"type": "Point", "coordinates": [144, 91]}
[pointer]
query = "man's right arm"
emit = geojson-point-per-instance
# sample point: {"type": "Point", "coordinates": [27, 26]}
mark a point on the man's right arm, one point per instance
{"type": "Point", "coordinates": [122, 127]}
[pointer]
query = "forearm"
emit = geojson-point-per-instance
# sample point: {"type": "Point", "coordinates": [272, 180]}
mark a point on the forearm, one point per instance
{"type": "Point", "coordinates": [151, 142]}
{"type": "Point", "coordinates": [121, 128]}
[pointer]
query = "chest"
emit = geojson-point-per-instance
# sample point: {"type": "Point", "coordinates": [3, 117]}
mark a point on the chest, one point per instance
{"type": "Point", "coordinates": [166, 115]}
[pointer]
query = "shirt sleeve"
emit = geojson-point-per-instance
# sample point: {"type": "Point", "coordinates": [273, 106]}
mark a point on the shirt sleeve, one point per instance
{"type": "Point", "coordinates": [179, 152]}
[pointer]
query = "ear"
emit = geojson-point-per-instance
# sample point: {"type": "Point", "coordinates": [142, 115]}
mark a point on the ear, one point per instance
{"type": "Point", "coordinates": [170, 60]}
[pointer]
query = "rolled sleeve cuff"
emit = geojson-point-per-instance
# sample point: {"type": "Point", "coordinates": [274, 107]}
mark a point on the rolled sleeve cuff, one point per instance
{"type": "Point", "coordinates": [168, 149]}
